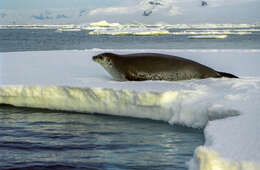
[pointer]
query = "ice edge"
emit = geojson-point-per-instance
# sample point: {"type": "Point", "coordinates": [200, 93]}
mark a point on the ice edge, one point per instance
{"type": "Point", "coordinates": [173, 107]}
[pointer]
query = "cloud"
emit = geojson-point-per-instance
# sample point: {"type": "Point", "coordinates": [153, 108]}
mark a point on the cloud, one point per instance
{"type": "Point", "coordinates": [167, 7]}
{"type": "Point", "coordinates": [219, 3]}
{"type": "Point", "coordinates": [110, 11]}
{"type": "Point", "coordinates": [129, 11]}
{"type": "Point", "coordinates": [175, 11]}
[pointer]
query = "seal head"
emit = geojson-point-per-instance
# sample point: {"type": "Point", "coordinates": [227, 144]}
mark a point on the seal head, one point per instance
{"type": "Point", "coordinates": [106, 60]}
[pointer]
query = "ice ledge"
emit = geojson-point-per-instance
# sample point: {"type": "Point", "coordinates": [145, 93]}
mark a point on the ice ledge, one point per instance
{"type": "Point", "coordinates": [207, 159]}
{"type": "Point", "coordinates": [191, 103]}
{"type": "Point", "coordinates": [184, 106]}
{"type": "Point", "coordinates": [230, 143]}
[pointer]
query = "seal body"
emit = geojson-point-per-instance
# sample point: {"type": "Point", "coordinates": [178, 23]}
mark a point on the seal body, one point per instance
{"type": "Point", "coordinates": [153, 66]}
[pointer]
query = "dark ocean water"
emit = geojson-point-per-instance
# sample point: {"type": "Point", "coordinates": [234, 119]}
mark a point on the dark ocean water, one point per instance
{"type": "Point", "coordinates": [50, 39]}
{"type": "Point", "coordinates": [42, 139]}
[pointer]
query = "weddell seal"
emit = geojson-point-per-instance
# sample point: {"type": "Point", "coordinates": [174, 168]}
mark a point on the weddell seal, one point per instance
{"type": "Point", "coordinates": [153, 66]}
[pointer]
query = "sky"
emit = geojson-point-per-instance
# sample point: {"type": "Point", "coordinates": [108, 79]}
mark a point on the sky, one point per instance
{"type": "Point", "coordinates": [38, 4]}
{"type": "Point", "coordinates": [128, 11]}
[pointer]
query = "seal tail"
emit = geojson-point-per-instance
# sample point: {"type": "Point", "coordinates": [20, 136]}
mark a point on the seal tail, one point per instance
{"type": "Point", "coordinates": [223, 74]}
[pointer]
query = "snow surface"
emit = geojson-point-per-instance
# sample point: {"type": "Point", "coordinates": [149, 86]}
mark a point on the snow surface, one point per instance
{"type": "Point", "coordinates": [227, 108]}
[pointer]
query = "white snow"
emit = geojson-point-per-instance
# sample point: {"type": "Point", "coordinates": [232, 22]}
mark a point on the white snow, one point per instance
{"type": "Point", "coordinates": [227, 108]}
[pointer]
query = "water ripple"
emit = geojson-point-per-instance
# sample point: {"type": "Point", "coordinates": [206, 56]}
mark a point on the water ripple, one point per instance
{"type": "Point", "coordinates": [39, 139]}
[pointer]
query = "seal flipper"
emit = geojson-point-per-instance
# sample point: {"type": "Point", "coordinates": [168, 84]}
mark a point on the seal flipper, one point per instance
{"type": "Point", "coordinates": [134, 78]}
{"type": "Point", "coordinates": [223, 74]}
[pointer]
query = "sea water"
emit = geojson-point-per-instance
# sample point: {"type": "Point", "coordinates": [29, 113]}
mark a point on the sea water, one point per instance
{"type": "Point", "coordinates": [51, 39]}
{"type": "Point", "coordinates": [43, 139]}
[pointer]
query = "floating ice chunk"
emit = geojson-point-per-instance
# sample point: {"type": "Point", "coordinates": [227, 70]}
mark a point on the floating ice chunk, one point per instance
{"type": "Point", "coordinates": [211, 32]}
{"type": "Point", "coordinates": [130, 31]}
{"type": "Point", "coordinates": [104, 24]}
{"type": "Point", "coordinates": [208, 37]}
{"type": "Point", "coordinates": [68, 30]}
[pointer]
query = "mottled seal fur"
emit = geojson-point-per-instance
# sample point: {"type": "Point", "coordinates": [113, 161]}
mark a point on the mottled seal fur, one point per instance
{"type": "Point", "coordinates": [154, 66]}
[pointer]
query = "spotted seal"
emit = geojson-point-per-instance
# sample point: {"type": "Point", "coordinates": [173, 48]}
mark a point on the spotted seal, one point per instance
{"type": "Point", "coordinates": [155, 66]}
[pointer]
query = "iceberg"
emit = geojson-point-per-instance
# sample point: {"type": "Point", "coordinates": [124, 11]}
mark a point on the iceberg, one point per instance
{"type": "Point", "coordinates": [227, 109]}
{"type": "Point", "coordinates": [104, 24]}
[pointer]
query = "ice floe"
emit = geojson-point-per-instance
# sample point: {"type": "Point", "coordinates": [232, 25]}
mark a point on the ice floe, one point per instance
{"type": "Point", "coordinates": [228, 109]}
